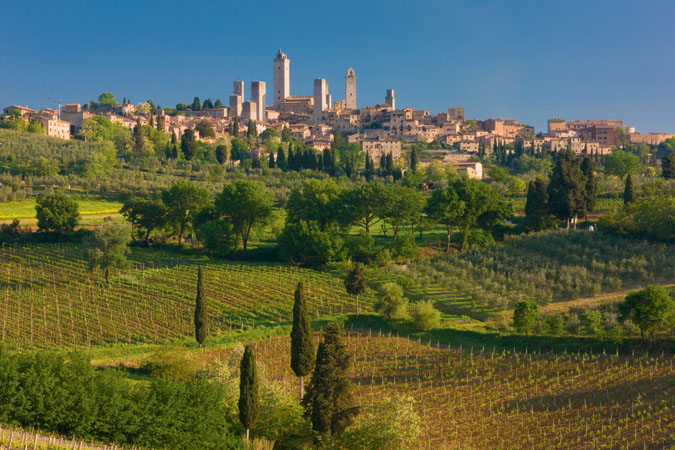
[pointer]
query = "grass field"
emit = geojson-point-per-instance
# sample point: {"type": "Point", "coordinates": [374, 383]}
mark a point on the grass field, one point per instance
{"type": "Point", "coordinates": [92, 210]}
{"type": "Point", "coordinates": [51, 299]}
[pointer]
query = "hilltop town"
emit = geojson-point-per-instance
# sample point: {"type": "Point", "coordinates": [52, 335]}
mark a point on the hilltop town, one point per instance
{"type": "Point", "coordinates": [313, 119]}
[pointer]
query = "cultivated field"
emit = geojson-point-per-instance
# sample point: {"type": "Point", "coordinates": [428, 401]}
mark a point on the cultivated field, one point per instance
{"type": "Point", "coordinates": [479, 398]}
{"type": "Point", "coordinates": [51, 298]}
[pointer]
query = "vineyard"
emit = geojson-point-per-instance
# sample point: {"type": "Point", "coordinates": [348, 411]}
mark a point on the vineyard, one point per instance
{"type": "Point", "coordinates": [545, 267]}
{"type": "Point", "coordinates": [479, 398]}
{"type": "Point", "coordinates": [51, 298]}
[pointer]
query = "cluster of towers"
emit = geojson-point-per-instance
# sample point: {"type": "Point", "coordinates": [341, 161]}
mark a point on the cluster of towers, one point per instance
{"type": "Point", "coordinates": [255, 108]}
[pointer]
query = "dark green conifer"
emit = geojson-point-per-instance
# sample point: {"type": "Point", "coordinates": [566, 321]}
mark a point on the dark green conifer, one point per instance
{"type": "Point", "coordinates": [356, 284]}
{"type": "Point", "coordinates": [201, 312]}
{"type": "Point", "coordinates": [329, 401]}
{"type": "Point", "coordinates": [629, 191]}
{"type": "Point", "coordinates": [302, 345]}
{"type": "Point", "coordinates": [249, 397]}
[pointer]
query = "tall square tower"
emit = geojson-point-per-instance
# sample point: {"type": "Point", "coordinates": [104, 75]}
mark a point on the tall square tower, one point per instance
{"type": "Point", "coordinates": [282, 78]}
{"type": "Point", "coordinates": [258, 89]}
{"type": "Point", "coordinates": [321, 98]}
{"type": "Point", "coordinates": [350, 89]}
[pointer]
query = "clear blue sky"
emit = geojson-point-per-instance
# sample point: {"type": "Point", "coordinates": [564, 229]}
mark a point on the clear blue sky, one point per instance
{"type": "Point", "coordinates": [529, 60]}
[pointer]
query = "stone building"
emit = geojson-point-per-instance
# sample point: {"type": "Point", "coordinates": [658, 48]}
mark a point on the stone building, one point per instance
{"type": "Point", "coordinates": [282, 78]}
{"type": "Point", "coordinates": [350, 89]}
{"type": "Point", "coordinates": [235, 105]}
{"type": "Point", "coordinates": [55, 127]}
{"type": "Point", "coordinates": [556, 126]}
{"type": "Point", "coordinates": [258, 89]}
{"type": "Point", "coordinates": [249, 111]}
{"type": "Point", "coordinates": [456, 113]}
{"type": "Point", "coordinates": [321, 99]}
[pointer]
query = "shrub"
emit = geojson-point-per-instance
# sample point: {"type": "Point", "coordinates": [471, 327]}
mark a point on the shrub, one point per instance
{"type": "Point", "coordinates": [390, 301]}
{"type": "Point", "coordinates": [425, 316]}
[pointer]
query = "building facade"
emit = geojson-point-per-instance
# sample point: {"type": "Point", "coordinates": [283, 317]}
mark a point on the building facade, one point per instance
{"type": "Point", "coordinates": [321, 99]}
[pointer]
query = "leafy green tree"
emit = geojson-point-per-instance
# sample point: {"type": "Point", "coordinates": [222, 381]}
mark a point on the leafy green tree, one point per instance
{"type": "Point", "coordinates": [201, 319]}
{"type": "Point", "coordinates": [525, 316]}
{"type": "Point", "coordinates": [222, 154]}
{"type": "Point", "coordinates": [144, 215]}
{"type": "Point", "coordinates": [188, 144]}
{"type": "Point", "coordinates": [629, 191]}
{"type": "Point", "coordinates": [537, 217]}
{"type": "Point", "coordinates": [424, 316]}
{"type": "Point", "coordinates": [566, 188]}
{"type": "Point", "coordinates": [317, 200]}
{"type": "Point", "coordinates": [305, 244]}
{"type": "Point", "coordinates": [101, 162]}
{"type": "Point", "coordinates": [183, 201]}
{"type": "Point", "coordinates": [329, 401]}
{"type": "Point", "coordinates": [205, 129]}
{"type": "Point", "coordinates": [483, 206]}
{"type": "Point", "coordinates": [106, 99]}
{"type": "Point", "coordinates": [350, 158]}
{"type": "Point", "coordinates": [402, 207]}
{"type": "Point", "coordinates": [363, 205]}
{"type": "Point", "coordinates": [302, 344]}
{"type": "Point", "coordinates": [245, 204]}
{"type": "Point", "coordinates": [622, 163]}
{"type": "Point", "coordinates": [446, 207]}
{"type": "Point", "coordinates": [249, 397]}
{"type": "Point", "coordinates": [239, 150]}
{"type": "Point", "coordinates": [56, 212]}
{"type": "Point", "coordinates": [650, 309]}
{"type": "Point", "coordinates": [35, 127]}
{"type": "Point", "coordinates": [107, 247]}
{"type": "Point", "coordinates": [390, 301]}
{"type": "Point", "coordinates": [216, 235]}
{"type": "Point", "coordinates": [356, 283]}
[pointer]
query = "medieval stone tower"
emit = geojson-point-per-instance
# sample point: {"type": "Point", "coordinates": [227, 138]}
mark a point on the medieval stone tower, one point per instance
{"type": "Point", "coordinates": [282, 78]}
{"type": "Point", "coordinates": [389, 99]}
{"type": "Point", "coordinates": [350, 89]}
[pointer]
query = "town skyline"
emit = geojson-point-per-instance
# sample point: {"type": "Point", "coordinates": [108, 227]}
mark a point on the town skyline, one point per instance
{"type": "Point", "coordinates": [430, 65]}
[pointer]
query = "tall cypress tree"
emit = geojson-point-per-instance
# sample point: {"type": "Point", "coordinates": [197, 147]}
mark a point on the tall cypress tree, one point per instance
{"type": "Point", "coordinates": [302, 345]}
{"type": "Point", "coordinates": [566, 189]}
{"type": "Point", "coordinates": [138, 136]}
{"type": "Point", "coordinates": [281, 159]}
{"type": "Point", "coordinates": [188, 143]}
{"type": "Point", "coordinates": [536, 213]}
{"type": "Point", "coordinates": [383, 164]}
{"type": "Point", "coordinates": [249, 398]}
{"type": "Point", "coordinates": [356, 284]}
{"type": "Point", "coordinates": [235, 126]}
{"type": "Point", "coordinates": [326, 161]}
{"type": "Point", "coordinates": [590, 195]}
{"type": "Point", "coordinates": [390, 164]}
{"type": "Point", "coordinates": [668, 165]}
{"type": "Point", "coordinates": [414, 159]}
{"type": "Point", "coordinates": [201, 312]}
{"type": "Point", "coordinates": [196, 105]}
{"type": "Point", "coordinates": [291, 157]}
{"type": "Point", "coordinates": [629, 191]}
{"type": "Point", "coordinates": [329, 401]}
{"type": "Point", "coordinates": [271, 162]}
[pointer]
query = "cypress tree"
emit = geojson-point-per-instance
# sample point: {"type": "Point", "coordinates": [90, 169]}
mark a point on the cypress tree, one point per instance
{"type": "Point", "coordinates": [629, 191]}
{"type": "Point", "coordinates": [138, 136]}
{"type": "Point", "coordinates": [201, 312]}
{"type": "Point", "coordinates": [235, 126]}
{"type": "Point", "coordinates": [587, 167]}
{"type": "Point", "coordinates": [414, 159]}
{"type": "Point", "coordinates": [383, 164]}
{"type": "Point", "coordinates": [536, 211]}
{"type": "Point", "coordinates": [218, 103]}
{"type": "Point", "coordinates": [281, 159]}
{"type": "Point", "coordinates": [566, 191]}
{"type": "Point", "coordinates": [291, 157]}
{"type": "Point", "coordinates": [356, 284]}
{"type": "Point", "coordinates": [271, 162]}
{"type": "Point", "coordinates": [333, 161]}
{"type": "Point", "coordinates": [173, 137]}
{"type": "Point", "coordinates": [390, 164]}
{"type": "Point", "coordinates": [248, 391]}
{"type": "Point", "coordinates": [152, 120]}
{"type": "Point", "coordinates": [302, 345]}
{"type": "Point", "coordinates": [668, 165]}
{"type": "Point", "coordinates": [174, 151]}
{"type": "Point", "coordinates": [326, 161]}
{"type": "Point", "coordinates": [329, 401]}
{"type": "Point", "coordinates": [188, 143]}
{"type": "Point", "coordinates": [196, 105]}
